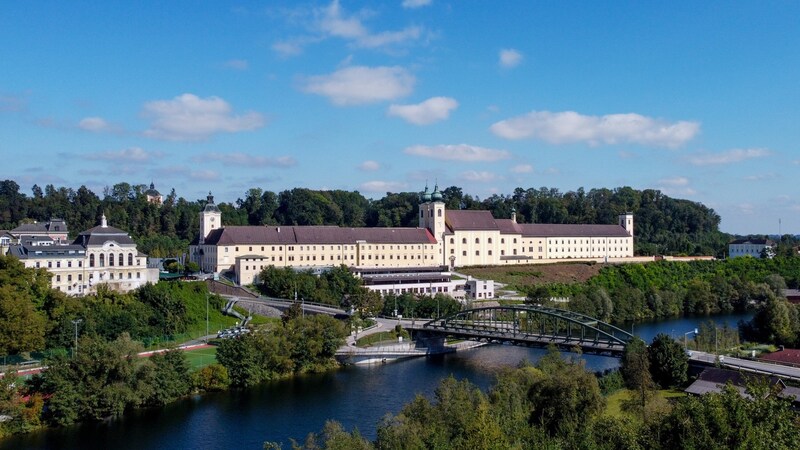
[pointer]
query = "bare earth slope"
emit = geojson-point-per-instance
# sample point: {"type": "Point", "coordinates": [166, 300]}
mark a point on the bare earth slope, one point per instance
{"type": "Point", "coordinates": [529, 275]}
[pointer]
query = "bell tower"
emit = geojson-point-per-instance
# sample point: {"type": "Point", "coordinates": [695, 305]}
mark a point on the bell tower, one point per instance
{"type": "Point", "coordinates": [210, 218]}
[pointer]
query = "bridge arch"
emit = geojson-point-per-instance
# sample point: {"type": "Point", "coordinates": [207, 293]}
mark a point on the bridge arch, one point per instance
{"type": "Point", "coordinates": [533, 326]}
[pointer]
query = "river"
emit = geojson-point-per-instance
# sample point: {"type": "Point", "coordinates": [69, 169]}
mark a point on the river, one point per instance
{"type": "Point", "coordinates": [355, 396]}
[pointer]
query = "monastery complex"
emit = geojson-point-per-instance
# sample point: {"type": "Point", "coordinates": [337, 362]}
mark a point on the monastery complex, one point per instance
{"type": "Point", "coordinates": [443, 238]}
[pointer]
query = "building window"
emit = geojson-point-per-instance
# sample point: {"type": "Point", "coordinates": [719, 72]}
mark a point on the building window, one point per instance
{"type": "Point", "coordinates": [111, 260]}
{"type": "Point", "coordinates": [490, 240]}
{"type": "Point", "coordinates": [102, 260]}
{"type": "Point", "coordinates": [477, 253]}
{"type": "Point", "coordinates": [490, 253]}
{"type": "Point", "coordinates": [464, 240]}
{"type": "Point", "coordinates": [464, 253]}
{"type": "Point", "coordinates": [58, 278]}
{"type": "Point", "coordinates": [121, 259]}
{"type": "Point", "coordinates": [439, 213]}
{"type": "Point", "coordinates": [69, 277]}
{"type": "Point", "coordinates": [138, 275]}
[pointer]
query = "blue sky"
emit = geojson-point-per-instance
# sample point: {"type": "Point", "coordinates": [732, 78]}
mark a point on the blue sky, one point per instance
{"type": "Point", "coordinates": [697, 99]}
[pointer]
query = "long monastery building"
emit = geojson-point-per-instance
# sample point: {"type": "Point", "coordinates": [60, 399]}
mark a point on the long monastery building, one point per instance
{"type": "Point", "coordinates": [443, 238]}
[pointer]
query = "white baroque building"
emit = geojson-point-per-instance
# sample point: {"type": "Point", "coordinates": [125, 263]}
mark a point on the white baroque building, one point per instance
{"type": "Point", "coordinates": [443, 238]}
{"type": "Point", "coordinates": [101, 255]}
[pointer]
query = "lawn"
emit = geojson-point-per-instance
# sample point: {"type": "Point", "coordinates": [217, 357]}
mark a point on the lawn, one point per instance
{"type": "Point", "coordinates": [614, 405]}
{"type": "Point", "coordinates": [201, 357]}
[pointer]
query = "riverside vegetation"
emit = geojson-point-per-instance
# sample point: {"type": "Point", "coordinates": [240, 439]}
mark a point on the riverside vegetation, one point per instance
{"type": "Point", "coordinates": [664, 225]}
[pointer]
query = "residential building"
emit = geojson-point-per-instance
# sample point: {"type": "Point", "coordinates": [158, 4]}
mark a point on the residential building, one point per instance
{"type": "Point", "coordinates": [55, 230]}
{"type": "Point", "coordinates": [101, 255]}
{"type": "Point", "coordinates": [447, 238]}
{"type": "Point", "coordinates": [751, 247]}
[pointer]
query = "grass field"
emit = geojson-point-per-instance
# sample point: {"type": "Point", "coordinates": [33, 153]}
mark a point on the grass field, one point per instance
{"type": "Point", "coordinates": [201, 357]}
{"type": "Point", "coordinates": [533, 274]}
{"type": "Point", "coordinates": [614, 405]}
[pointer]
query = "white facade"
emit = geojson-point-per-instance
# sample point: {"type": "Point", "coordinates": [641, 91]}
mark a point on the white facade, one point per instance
{"type": "Point", "coordinates": [751, 247]}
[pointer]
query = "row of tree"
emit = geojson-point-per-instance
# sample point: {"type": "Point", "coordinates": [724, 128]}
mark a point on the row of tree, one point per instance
{"type": "Point", "coordinates": [634, 292]}
{"type": "Point", "coordinates": [558, 404]}
{"type": "Point", "coordinates": [663, 225]}
{"type": "Point", "coordinates": [36, 317]}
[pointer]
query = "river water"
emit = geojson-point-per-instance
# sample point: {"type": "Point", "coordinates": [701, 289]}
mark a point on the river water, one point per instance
{"type": "Point", "coordinates": [358, 397]}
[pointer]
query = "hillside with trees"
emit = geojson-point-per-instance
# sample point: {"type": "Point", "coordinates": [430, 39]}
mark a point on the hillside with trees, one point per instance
{"type": "Point", "coordinates": [664, 225]}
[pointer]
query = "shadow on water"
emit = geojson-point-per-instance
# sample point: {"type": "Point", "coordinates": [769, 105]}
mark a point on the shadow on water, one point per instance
{"type": "Point", "coordinates": [358, 397]}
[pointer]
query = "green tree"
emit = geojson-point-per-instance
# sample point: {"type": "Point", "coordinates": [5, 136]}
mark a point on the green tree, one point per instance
{"type": "Point", "coordinates": [636, 371]}
{"type": "Point", "coordinates": [668, 361]}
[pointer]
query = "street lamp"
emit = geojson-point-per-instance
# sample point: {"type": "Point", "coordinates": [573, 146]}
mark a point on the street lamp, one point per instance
{"type": "Point", "coordinates": [687, 334]}
{"type": "Point", "coordinates": [76, 322]}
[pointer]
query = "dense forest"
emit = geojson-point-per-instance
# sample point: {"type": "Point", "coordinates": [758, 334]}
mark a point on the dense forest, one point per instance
{"type": "Point", "coordinates": [663, 225]}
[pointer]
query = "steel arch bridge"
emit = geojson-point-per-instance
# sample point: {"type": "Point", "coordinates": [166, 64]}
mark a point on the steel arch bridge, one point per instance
{"type": "Point", "coordinates": [534, 326]}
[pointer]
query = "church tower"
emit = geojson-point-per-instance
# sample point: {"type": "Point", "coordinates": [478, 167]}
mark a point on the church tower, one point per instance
{"type": "Point", "coordinates": [626, 221]}
{"type": "Point", "coordinates": [210, 218]}
{"type": "Point", "coordinates": [432, 211]}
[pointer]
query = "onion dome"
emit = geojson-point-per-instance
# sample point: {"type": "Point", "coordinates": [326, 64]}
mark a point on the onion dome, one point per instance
{"type": "Point", "coordinates": [436, 196]}
{"type": "Point", "coordinates": [426, 196]}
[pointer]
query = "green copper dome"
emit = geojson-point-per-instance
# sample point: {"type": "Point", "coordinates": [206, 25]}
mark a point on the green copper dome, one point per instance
{"type": "Point", "coordinates": [436, 196]}
{"type": "Point", "coordinates": [426, 196]}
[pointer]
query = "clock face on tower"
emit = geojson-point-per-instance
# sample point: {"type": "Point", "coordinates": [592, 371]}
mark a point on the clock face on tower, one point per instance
{"type": "Point", "coordinates": [212, 219]}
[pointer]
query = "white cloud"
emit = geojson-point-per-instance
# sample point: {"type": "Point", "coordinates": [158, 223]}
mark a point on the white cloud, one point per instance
{"type": "Point", "coordinates": [333, 21]}
{"type": "Point", "coordinates": [570, 127]}
{"type": "Point", "coordinates": [411, 4]}
{"type": "Point", "coordinates": [132, 155]}
{"type": "Point", "coordinates": [361, 85]}
{"type": "Point", "coordinates": [382, 186]}
{"type": "Point", "coordinates": [674, 181]}
{"type": "Point", "coordinates": [191, 118]}
{"type": "Point", "coordinates": [746, 208]}
{"type": "Point", "coordinates": [478, 176]}
{"type": "Point", "coordinates": [204, 175]}
{"type": "Point", "coordinates": [95, 124]}
{"type": "Point", "coordinates": [369, 166]}
{"type": "Point", "coordinates": [761, 177]}
{"type": "Point", "coordinates": [458, 152]}
{"type": "Point", "coordinates": [729, 156]}
{"type": "Point", "coordinates": [246, 160]}
{"type": "Point", "coordinates": [510, 58]}
{"type": "Point", "coordinates": [431, 110]}
{"type": "Point", "coordinates": [522, 168]}
{"type": "Point", "coordinates": [237, 64]}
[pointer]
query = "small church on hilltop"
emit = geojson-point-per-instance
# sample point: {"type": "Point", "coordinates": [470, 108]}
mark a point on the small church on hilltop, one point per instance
{"type": "Point", "coordinates": [442, 238]}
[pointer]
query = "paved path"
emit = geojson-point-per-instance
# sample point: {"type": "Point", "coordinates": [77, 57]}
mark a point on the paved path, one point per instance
{"type": "Point", "coordinates": [748, 365]}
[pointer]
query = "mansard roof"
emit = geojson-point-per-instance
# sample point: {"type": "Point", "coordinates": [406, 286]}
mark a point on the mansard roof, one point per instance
{"type": "Point", "coordinates": [99, 235]}
{"type": "Point", "coordinates": [288, 235]}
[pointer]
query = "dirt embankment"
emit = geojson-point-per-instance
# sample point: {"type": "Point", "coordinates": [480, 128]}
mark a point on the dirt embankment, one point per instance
{"type": "Point", "coordinates": [529, 275]}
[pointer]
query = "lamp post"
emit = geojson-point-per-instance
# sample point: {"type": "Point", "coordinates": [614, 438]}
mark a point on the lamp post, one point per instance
{"type": "Point", "coordinates": [76, 322]}
{"type": "Point", "coordinates": [687, 334]}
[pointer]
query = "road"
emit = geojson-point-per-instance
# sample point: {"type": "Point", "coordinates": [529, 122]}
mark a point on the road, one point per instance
{"type": "Point", "coordinates": [748, 365]}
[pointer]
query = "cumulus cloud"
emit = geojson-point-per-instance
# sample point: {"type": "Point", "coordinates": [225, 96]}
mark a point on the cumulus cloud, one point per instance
{"type": "Point", "coordinates": [369, 166]}
{"type": "Point", "coordinates": [411, 4]}
{"type": "Point", "coordinates": [458, 152]}
{"type": "Point", "coordinates": [430, 111]}
{"type": "Point", "coordinates": [131, 155]}
{"type": "Point", "coordinates": [95, 124]}
{"type": "Point", "coordinates": [237, 64]}
{"type": "Point", "coordinates": [478, 176]}
{"type": "Point", "coordinates": [335, 22]}
{"type": "Point", "coordinates": [522, 168]}
{"type": "Point", "coordinates": [359, 85]}
{"type": "Point", "coordinates": [570, 127]}
{"type": "Point", "coordinates": [246, 160]}
{"type": "Point", "coordinates": [728, 157]}
{"type": "Point", "coordinates": [382, 186]}
{"type": "Point", "coordinates": [188, 117]}
{"type": "Point", "coordinates": [510, 58]}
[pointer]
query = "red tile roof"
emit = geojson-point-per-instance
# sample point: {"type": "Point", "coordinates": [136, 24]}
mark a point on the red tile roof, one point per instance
{"type": "Point", "coordinates": [288, 235]}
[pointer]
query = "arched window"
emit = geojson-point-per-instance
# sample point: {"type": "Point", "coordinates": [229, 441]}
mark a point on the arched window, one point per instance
{"type": "Point", "coordinates": [490, 240]}
{"type": "Point", "coordinates": [111, 259]}
{"type": "Point", "coordinates": [477, 241]}
{"type": "Point", "coordinates": [464, 240]}
{"type": "Point", "coordinates": [439, 212]}
{"type": "Point", "coordinates": [91, 260]}
{"type": "Point", "coordinates": [130, 259]}
{"type": "Point", "coordinates": [452, 241]}
{"type": "Point", "coordinates": [121, 259]}
{"type": "Point", "coordinates": [102, 260]}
